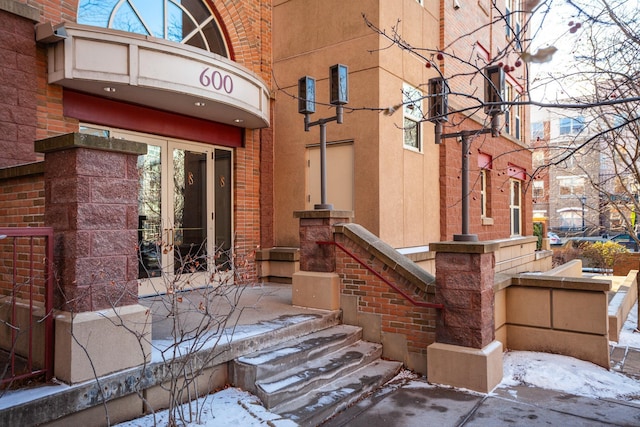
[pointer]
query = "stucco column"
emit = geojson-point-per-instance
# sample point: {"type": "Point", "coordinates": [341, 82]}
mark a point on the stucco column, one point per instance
{"type": "Point", "coordinates": [465, 353]}
{"type": "Point", "coordinates": [91, 201]}
{"type": "Point", "coordinates": [317, 285]}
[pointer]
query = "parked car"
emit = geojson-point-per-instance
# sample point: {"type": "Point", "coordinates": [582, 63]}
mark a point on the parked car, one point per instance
{"type": "Point", "coordinates": [579, 240]}
{"type": "Point", "coordinates": [554, 239]}
{"type": "Point", "coordinates": [626, 240]}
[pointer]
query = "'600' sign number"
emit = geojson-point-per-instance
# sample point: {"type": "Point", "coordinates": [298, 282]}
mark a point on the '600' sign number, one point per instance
{"type": "Point", "coordinates": [216, 80]}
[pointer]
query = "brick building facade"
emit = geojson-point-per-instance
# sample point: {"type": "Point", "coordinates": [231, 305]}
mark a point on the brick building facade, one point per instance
{"type": "Point", "coordinates": [137, 141]}
{"type": "Point", "coordinates": [37, 109]}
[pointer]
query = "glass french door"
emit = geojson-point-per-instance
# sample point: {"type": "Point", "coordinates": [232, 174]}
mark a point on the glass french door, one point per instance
{"type": "Point", "coordinates": [184, 215]}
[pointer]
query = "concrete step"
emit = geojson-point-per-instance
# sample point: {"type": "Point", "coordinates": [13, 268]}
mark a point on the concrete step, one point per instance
{"type": "Point", "coordinates": [246, 370]}
{"type": "Point", "coordinates": [310, 375]}
{"type": "Point", "coordinates": [316, 406]}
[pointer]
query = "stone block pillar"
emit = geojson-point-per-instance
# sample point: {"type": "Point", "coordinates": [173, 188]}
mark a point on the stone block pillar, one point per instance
{"type": "Point", "coordinates": [317, 285]}
{"type": "Point", "coordinates": [465, 353]}
{"type": "Point", "coordinates": [91, 201]}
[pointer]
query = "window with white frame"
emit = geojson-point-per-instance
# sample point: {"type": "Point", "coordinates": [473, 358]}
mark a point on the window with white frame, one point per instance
{"type": "Point", "coordinates": [513, 24]}
{"type": "Point", "coordinates": [537, 130]}
{"type": "Point", "coordinates": [507, 114]}
{"type": "Point", "coordinates": [516, 121]}
{"type": "Point", "coordinates": [571, 125]}
{"type": "Point", "coordinates": [485, 165]}
{"type": "Point", "coordinates": [538, 189]}
{"type": "Point", "coordinates": [571, 186]}
{"type": "Point", "coordinates": [191, 23]}
{"type": "Point", "coordinates": [508, 9]}
{"type": "Point", "coordinates": [570, 219]}
{"type": "Point", "coordinates": [413, 115]}
{"type": "Point", "coordinates": [484, 175]}
{"type": "Point", "coordinates": [512, 122]}
{"type": "Point", "coordinates": [515, 206]}
{"type": "Point", "coordinates": [537, 158]}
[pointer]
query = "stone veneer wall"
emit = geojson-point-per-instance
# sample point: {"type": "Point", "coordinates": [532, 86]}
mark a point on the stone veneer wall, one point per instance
{"type": "Point", "coordinates": [405, 330]}
{"type": "Point", "coordinates": [91, 197]}
{"type": "Point", "coordinates": [18, 83]}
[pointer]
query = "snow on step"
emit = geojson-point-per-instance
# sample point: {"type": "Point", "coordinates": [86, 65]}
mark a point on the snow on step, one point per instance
{"type": "Point", "coordinates": [320, 404]}
{"type": "Point", "coordinates": [318, 341]}
{"type": "Point", "coordinates": [246, 370]}
{"type": "Point", "coordinates": [315, 373]}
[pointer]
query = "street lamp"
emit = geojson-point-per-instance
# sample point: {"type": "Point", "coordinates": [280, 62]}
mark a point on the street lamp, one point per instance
{"type": "Point", "coordinates": [494, 90]}
{"type": "Point", "coordinates": [583, 201]}
{"type": "Point", "coordinates": [338, 96]}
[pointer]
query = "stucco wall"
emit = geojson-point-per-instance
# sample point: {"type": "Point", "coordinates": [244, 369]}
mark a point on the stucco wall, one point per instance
{"type": "Point", "coordinates": [552, 314]}
{"type": "Point", "coordinates": [393, 187]}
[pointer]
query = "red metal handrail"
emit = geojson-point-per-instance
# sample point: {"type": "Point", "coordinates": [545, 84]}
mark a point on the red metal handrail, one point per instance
{"type": "Point", "coordinates": [31, 233]}
{"type": "Point", "coordinates": [379, 276]}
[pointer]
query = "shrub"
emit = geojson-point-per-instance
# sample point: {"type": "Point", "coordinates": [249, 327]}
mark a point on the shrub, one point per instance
{"type": "Point", "coordinates": [537, 231]}
{"type": "Point", "coordinates": [601, 254]}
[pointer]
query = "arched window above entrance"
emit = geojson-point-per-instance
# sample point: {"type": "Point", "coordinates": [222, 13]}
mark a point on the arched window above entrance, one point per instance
{"type": "Point", "coordinates": [189, 22]}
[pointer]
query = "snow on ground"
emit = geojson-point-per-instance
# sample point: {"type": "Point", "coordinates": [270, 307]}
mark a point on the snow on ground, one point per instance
{"type": "Point", "coordinates": [566, 374]}
{"type": "Point", "coordinates": [543, 370]}
{"type": "Point", "coordinates": [229, 407]}
{"type": "Point", "coordinates": [629, 336]}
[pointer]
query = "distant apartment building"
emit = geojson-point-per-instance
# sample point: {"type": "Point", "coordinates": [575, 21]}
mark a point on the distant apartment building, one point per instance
{"type": "Point", "coordinates": [564, 167]}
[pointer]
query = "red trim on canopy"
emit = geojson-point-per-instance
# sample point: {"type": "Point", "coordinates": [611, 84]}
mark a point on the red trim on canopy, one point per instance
{"type": "Point", "coordinates": [106, 112]}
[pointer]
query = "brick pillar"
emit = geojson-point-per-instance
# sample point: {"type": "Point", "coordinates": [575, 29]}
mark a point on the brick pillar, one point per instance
{"type": "Point", "coordinates": [465, 353]}
{"type": "Point", "coordinates": [317, 226]}
{"type": "Point", "coordinates": [464, 284]}
{"type": "Point", "coordinates": [317, 285]}
{"type": "Point", "coordinates": [91, 201]}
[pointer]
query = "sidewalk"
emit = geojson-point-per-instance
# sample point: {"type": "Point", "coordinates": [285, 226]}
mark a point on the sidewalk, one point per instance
{"type": "Point", "coordinates": [416, 403]}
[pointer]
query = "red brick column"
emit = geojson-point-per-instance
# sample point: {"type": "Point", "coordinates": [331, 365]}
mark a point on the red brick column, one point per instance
{"type": "Point", "coordinates": [91, 201]}
{"type": "Point", "coordinates": [315, 226]}
{"type": "Point", "coordinates": [464, 284]}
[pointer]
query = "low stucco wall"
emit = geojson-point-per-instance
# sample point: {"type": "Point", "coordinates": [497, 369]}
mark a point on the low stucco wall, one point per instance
{"type": "Point", "coordinates": [621, 302]}
{"type": "Point", "coordinates": [277, 264]}
{"type": "Point", "coordinates": [519, 255]}
{"type": "Point", "coordinates": [554, 314]}
{"type": "Point", "coordinates": [23, 327]}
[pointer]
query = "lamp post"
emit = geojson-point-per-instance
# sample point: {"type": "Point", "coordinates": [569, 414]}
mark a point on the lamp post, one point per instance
{"type": "Point", "coordinates": [494, 88]}
{"type": "Point", "coordinates": [338, 96]}
{"type": "Point", "coordinates": [583, 201]}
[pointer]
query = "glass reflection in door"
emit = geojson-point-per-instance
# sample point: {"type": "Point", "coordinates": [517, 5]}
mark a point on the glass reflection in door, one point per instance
{"type": "Point", "coordinates": [223, 206]}
{"type": "Point", "coordinates": [189, 211]}
{"type": "Point", "coordinates": [150, 239]}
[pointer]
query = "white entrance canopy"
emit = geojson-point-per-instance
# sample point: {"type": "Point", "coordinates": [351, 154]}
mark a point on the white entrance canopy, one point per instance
{"type": "Point", "coordinates": [157, 73]}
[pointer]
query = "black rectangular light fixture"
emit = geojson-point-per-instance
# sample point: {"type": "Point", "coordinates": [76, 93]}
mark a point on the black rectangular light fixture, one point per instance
{"type": "Point", "coordinates": [338, 84]}
{"type": "Point", "coordinates": [494, 90]}
{"type": "Point", "coordinates": [307, 95]}
{"type": "Point", "coordinates": [438, 100]}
